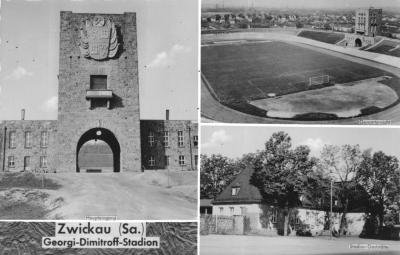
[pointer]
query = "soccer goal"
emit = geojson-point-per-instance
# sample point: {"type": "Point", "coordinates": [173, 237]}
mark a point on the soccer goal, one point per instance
{"type": "Point", "coordinates": [319, 80]}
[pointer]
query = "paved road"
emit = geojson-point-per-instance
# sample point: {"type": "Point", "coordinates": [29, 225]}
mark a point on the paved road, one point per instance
{"type": "Point", "coordinates": [130, 196]}
{"type": "Point", "coordinates": [212, 109]}
{"type": "Point", "coordinates": [257, 245]}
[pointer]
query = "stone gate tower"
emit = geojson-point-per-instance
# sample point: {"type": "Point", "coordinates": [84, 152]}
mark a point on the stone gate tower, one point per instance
{"type": "Point", "coordinates": [98, 88]}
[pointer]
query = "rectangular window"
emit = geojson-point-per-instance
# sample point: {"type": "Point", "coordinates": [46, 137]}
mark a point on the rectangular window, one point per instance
{"type": "Point", "coordinates": [297, 219]}
{"type": "Point", "coordinates": [221, 210]}
{"type": "Point", "coordinates": [235, 191]}
{"type": "Point", "coordinates": [152, 161]}
{"type": "Point", "coordinates": [27, 163]}
{"type": "Point", "coordinates": [180, 138]}
{"type": "Point", "coordinates": [195, 140]}
{"type": "Point", "coordinates": [12, 140]}
{"type": "Point", "coordinates": [166, 160]}
{"type": "Point", "coordinates": [98, 82]}
{"type": "Point", "coordinates": [181, 160]}
{"type": "Point", "coordinates": [11, 161]}
{"type": "Point", "coordinates": [151, 139]}
{"type": "Point", "coordinates": [44, 141]}
{"type": "Point", "coordinates": [232, 210]}
{"type": "Point", "coordinates": [28, 139]}
{"type": "Point", "coordinates": [43, 161]}
{"type": "Point", "coordinates": [196, 160]}
{"type": "Point", "coordinates": [274, 215]}
{"type": "Point", "coordinates": [166, 139]}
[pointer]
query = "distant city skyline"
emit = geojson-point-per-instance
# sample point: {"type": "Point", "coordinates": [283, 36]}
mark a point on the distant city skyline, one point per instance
{"type": "Point", "coordinates": [339, 4]}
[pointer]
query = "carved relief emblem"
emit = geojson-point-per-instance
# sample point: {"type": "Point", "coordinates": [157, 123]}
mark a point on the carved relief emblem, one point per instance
{"type": "Point", "coordinates": [99, 39]}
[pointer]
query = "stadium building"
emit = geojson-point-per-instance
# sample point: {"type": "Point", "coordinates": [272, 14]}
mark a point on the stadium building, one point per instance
{"type": "Point", "coordinates": [98, 99]}
{"type": "Point", "coordinates": [367, 27]}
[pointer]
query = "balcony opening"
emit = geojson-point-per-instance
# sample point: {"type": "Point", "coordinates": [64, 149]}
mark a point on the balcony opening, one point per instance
{"type": "Point", "coordinates": [98, 82]}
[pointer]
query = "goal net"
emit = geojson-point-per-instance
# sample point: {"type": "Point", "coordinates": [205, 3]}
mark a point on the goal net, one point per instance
{"type": "Point", "coordinates": [319, 80]}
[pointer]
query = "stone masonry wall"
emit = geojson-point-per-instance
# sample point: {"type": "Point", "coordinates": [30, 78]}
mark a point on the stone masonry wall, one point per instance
{"type": "Point", "coordinates": [74, 115]}
{"type": "Point", "coordinates": [19, 152]}
{"type": "Point", "coordinates": [189, 150]}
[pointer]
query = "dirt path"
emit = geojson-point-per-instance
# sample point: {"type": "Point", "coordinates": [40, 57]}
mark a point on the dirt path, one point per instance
{"type": "Point", "coordinates": [129, 196]}
{"type": "Point", "coordinates": [260, 245]}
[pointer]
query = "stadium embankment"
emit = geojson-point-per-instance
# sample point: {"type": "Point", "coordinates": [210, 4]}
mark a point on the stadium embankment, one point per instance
{"type": "Point", "coordinates": [277, 36]}
{"type": "Point", "coordinates": [224, 114]}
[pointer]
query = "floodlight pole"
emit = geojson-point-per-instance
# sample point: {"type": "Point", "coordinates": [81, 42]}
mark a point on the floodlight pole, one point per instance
{"type": "Point", "coordinates": [330, 217]}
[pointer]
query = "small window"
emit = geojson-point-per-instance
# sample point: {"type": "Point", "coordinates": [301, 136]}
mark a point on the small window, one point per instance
{"type": "Point", "coordinates": [44, 141]}
{"type": "Point", "coordinates": [274, 215]}
{"type": "Point", "coordinates": [166, 139]}
{"type": "Point", "coordinates": [27, 163]}
{"type": "Point", "coordinates": [28, 139]}
{"type": "Point", "coordinates": [98, 82]}
{"type": "Point", "coordinates": [11, 161]}
{"type": "Point", "coordinates": [166, 160]}
{"type": "Point", "coordinates": [151, 139]}
{"type": "Point", "coordinates": [152, 161]}
{"type": "Point", "coordinates": [12, 140]}
{"type": "Point", "coordinates": [43, 161]}
{"type": "Point", "coordinates": [232, 210]}
{"type": "Point", "coordinates": [235, 191]}
{"type": "Point", "coordinates": [180, 138]}
{"type": "Point", "coordinates": [195, 140]}
{"type": "Point", "coordinates": [221, 210]}
{"type": "Point", "coordinates": [181, 160]}
{"type": "Point", "coordinates": [297, 219]}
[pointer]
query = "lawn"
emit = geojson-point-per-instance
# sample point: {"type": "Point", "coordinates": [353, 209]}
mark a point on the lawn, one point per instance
{"type": "Point", "coordinates": [241, 73]}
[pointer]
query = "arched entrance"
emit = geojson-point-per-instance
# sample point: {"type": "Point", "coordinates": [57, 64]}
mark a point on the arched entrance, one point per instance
{"type": "Point", "coordinates": [358, 43]}
{"type": "Point", "coordinates": [106, 136]}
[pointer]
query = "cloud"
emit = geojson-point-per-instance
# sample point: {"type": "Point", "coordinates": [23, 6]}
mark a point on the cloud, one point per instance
{"type": "Point", "coordinates": [166, 58]}
{"type": "Point", "coordinates": [50, 105]}
{"type": "Point", "coordinates": [315, 144]}
{"type": "Point", "coordinates": [18, 74]}
{"type": "Point", "coordinates": [217, 138]}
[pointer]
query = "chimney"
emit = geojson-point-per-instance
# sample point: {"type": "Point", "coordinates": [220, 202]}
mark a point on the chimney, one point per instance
{"type": "Point", "coordinates": [22, 114]}
{"type": "Point", "coordinates": [167, 114]}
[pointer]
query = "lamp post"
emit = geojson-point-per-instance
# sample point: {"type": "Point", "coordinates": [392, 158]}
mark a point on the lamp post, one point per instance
{"type": "Point", "coordinates": [330, 216]}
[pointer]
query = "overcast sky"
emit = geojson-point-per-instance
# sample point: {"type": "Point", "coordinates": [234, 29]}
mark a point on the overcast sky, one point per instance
{"type": "Point", "coordinates": [167, 48]}
{"type": "Point", "coordinates": [305, 3]}
{"type": "Point", "coordinates": [234, 141]}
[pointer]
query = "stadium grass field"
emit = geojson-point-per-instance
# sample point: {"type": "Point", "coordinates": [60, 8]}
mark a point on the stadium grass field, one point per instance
{"type": "Point", "coordinates": [244, 72]}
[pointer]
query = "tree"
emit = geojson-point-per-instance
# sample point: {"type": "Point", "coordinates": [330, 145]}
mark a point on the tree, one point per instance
{"type": "Point", "coordinates": [344, 164]}
{"type": "Point", "coordinates": [267, 17]}
{"type": "Point", "coordinates": [217, 17]}
{"type": "Point", "coordinates": [226, 16]}
{"type": "Point", "coordinates": [380, 177]}
{"type": "Point", "coordinates": [299, 24]}
{"type": "Point", "coordinates": [282, 174]}
{"type": "Point", "coordinates": [216, 173]}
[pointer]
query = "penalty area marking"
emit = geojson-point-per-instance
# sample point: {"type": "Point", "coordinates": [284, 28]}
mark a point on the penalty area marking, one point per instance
{"type": "Point", "coordinates": [256, 87]}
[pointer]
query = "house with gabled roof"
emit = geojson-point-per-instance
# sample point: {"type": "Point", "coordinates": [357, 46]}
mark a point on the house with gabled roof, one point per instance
{"type": "Point", "coordinates": [242, 198]}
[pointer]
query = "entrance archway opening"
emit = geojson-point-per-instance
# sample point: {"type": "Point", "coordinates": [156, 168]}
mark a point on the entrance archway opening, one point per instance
{"type": "Point", "coordinates": [98, 150]}
{"type": "Point", "coordinates": [358, 42]}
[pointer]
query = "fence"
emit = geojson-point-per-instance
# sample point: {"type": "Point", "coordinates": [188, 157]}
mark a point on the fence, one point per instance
{"type": "Point", "coordinates": [227, 225]}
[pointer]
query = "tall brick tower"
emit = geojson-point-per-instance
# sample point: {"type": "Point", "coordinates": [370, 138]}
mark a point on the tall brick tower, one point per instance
{"type": "Point", "coordinates": [98, 88]}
